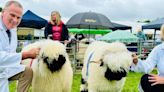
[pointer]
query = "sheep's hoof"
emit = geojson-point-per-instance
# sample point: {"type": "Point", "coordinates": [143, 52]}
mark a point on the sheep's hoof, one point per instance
{"type": "Point", "coordinates": [84, 91]}
{"type": "Point", "coordinates": [83, 88]}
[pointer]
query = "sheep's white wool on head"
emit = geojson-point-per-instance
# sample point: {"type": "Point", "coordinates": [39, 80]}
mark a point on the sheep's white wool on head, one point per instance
{"type": "Point", "coordinates": [52, 56]}
{"type": "Point", "coordinates": [52, 49]}
{"type": "Point", "coordinates": [116, 56]}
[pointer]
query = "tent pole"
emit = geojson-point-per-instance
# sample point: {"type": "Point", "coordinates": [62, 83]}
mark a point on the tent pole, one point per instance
{"type": "Point", "coordinates": [131, 30]}
{"type": "Point", "coordinates": [154, 34]}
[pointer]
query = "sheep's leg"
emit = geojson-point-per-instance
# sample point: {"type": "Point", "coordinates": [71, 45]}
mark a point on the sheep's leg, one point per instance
{"type": "Point", "coordinates": [83, 86]}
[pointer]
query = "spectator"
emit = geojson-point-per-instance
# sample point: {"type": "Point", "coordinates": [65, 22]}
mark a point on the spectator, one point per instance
{"type": "Point", "coordinates": [56, 28]}
{"type": "Point", "coordinates": [141, 35]}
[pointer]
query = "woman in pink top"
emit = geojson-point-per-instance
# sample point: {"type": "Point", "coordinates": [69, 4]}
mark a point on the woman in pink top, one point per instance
{"type": "Point", "coordinates": [56, 28]}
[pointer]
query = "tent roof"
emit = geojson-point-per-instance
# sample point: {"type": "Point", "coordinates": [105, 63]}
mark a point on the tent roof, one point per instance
{"type": "Point", "coordinates": [119, 35]}
{"type": "Point", "coordinates": [32, 20]}
{"type": "Point", "coordinates": [156, 24]}
{"type": "Point", "coordinates": [120, 26]}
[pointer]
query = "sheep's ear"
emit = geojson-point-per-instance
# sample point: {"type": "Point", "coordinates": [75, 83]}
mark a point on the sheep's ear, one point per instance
{"type": "Point", "coordinates": [45, 60]}
{"type": "Point", "coordinates": [102, 63]}
{"type": "Point", "coordinates": [61, 60]}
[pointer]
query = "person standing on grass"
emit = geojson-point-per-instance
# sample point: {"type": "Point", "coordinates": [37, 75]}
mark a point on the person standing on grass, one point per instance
{"type": "Point", "coordinates": [10, 67]}
{"type": "Point", "coordinates": [141, 35]}
{"type": "Point", "coordinates": [151, 82]}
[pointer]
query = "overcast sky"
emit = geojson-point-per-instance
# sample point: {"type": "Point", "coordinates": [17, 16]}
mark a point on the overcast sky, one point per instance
{"type": "Point", "coordinates": [115, 10]}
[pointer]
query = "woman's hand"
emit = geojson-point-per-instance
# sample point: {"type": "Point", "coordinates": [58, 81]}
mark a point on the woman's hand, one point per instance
{"type": "Point", "coordinates": [135, 58]}
{"type": "Point", "coordinates": [155, 79]}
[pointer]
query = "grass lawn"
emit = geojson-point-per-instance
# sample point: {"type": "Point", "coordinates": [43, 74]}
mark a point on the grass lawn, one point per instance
{"type": "Point", "coordinates": [131, 84]}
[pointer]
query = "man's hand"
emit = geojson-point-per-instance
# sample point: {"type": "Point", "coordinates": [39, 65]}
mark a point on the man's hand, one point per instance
{"type": "Point", "coordinates": [66, 42]}
{"type": "Point", "coordinates": [32, 53]}
{"type": "Point", "coordinates": [155, 79]}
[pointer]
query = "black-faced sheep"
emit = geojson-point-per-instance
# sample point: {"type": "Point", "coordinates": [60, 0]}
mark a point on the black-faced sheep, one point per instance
{"type": "Point", "coordinates": [105, 67]}
{"type": "Point", "coordinates": [52, 70]}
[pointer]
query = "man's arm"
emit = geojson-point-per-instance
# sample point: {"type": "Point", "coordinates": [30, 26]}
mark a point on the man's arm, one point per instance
{"type": "Point", "coordinates": [31, 53]}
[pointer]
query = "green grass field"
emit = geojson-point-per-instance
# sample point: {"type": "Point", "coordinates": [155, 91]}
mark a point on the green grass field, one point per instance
{"type": "Point", "coordinates": [131, 84]}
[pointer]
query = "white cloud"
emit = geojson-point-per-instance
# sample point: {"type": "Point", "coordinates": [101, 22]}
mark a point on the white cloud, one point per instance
{"type": "Point", "coordinates": [36, 1]}
{"type": "Point", "coordinates": [115, 10]}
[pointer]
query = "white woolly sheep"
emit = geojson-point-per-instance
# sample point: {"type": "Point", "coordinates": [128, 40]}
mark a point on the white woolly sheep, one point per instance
{"type": "Point", "coordinates": [105, 67]}
{"type": "Point", "coordinates": [52, 70]}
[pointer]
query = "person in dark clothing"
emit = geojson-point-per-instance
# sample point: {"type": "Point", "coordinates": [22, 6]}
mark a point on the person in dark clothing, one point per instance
{"type": "Point", "coordinates": [56, 28]}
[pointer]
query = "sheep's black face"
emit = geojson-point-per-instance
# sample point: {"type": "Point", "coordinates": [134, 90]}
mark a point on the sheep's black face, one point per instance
{"type": "Point", "coordinates": [113, 75]}
{"type": "Point", "coordinates": [117, 75]}
{"type": "Point", "coordinates": [55, 65]}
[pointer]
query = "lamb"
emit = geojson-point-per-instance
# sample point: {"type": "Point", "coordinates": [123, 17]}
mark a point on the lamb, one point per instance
{"type": "Point", "coordinates": [105, 67]}
{"type": "Point", "coordinates": [52, 71]}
